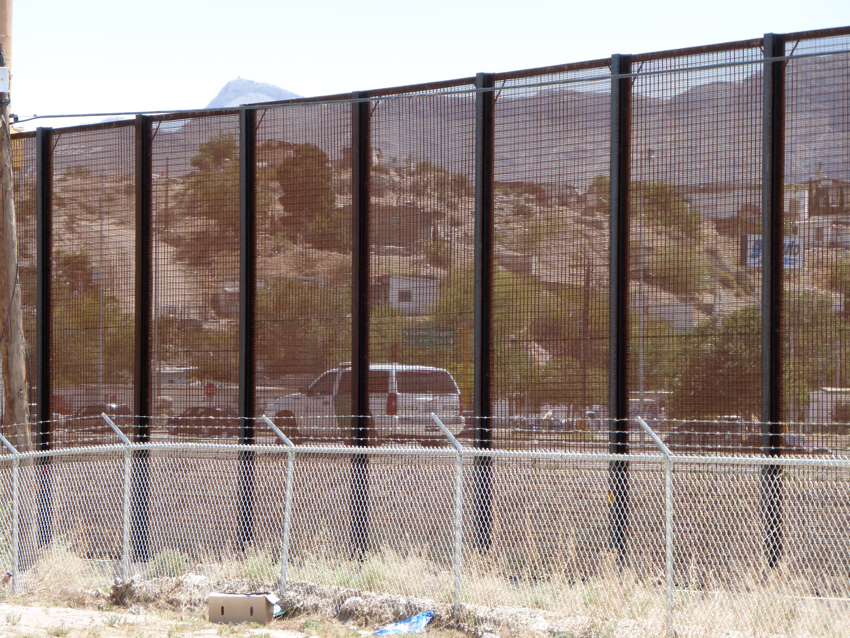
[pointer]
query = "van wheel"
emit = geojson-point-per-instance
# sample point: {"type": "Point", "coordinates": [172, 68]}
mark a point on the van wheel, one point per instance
{"type": "Point", "coordinates": [286, 422]}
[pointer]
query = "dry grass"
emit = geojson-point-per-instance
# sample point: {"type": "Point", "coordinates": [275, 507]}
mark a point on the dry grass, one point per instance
{"type": "Point", "coordinates": [613, 598]}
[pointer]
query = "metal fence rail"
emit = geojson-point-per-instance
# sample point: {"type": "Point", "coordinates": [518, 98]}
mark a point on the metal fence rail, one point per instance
{"type": "Point", "coordinates": [693, 557]}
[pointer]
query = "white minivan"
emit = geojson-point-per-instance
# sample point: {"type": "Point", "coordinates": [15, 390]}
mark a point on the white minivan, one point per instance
{"type": "Point", "coordinates": [401, 400]}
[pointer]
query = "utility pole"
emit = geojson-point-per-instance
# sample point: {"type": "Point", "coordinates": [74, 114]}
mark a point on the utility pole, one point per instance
{"type": "Point", "coordinates": [16, 391]}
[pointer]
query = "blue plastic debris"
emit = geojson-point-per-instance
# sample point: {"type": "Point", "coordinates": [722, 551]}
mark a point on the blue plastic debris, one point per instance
{"type": "Point", "coordinates": [415, 625]}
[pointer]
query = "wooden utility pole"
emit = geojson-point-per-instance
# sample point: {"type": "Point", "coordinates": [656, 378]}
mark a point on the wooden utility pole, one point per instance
{"type": "Point", "coordinates": [12, 346]}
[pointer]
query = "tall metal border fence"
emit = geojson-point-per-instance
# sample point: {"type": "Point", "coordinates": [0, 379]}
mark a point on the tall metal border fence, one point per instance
{"type": "Point", "coordinates": [539, 257]}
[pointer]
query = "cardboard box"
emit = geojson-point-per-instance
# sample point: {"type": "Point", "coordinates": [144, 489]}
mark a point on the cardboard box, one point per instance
{"type": "Point", "coordinates": [239, 608]}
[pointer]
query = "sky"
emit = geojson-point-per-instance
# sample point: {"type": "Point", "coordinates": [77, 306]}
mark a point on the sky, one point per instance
{"type": "Point", "coordinates": [166, 55]}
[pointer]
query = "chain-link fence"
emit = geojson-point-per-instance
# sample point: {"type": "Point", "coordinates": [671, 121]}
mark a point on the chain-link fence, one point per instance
{"type": "Point", "coordinates": [702, 546]}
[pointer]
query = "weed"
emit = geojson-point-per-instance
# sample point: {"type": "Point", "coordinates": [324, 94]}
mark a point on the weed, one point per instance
{"type": "Point", "coordinates": [226, 630]}
{"type": "Point", "coordinates": [61, 630]}
{"type": "Point", "coordinates": [13, 618]}
{"type": "Point", "coordinates": [113, 620]}
{"type": "Point", "coordinates": [259, 569]}
{"type": "Point", "coordinates": [168, 562]}
{"type": "Point", "coordinates": [175, 631]}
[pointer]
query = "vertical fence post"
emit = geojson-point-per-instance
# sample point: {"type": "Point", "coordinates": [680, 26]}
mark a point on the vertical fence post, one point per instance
{"type": "Point", "coordinates": [125, 527]}
{"type": "Point", "coordinates": [43, 391]}
{"type": "Point", "coordinates": [668, 539]}
{"type": "Point", "coordinates": [360, 168]}
{"type": "Point", "coordinates": [618, 396]}
{"type": "Point", "coordinates": [773, 166]}
{"type": "Point", "coordinates": [458, 522]}
{"type": "Point", "coordinates": [287, 502]}
{"type": "Point", "coordinates": [142, 367]}
{"type": "Point", "coordinates": [485, 107]}
{"type": "Point", "coordinates": [668, 519]}
{"type": "Point", "coordinates": [247, 288]}
{"type": "Point", "coordinates": [16, 508]}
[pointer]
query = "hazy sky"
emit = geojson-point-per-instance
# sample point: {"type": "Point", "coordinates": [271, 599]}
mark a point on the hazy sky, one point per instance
{"type": "Point", "coordinates": [93, 57]}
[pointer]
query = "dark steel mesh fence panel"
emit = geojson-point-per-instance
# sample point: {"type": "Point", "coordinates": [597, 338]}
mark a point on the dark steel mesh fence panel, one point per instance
{"type": "Point", "coordinates": [24, 178]}
{"type": "Point", "coordinates": [695, 344]}
{"type": "Point", "coordinates": [195, 282]}
{"type": "Point", "coordinates": [422, 226]}
{"type": "Point", "coordinates": [816, 312]}
{"type": "Point", "coordinates": [550, 291]}
{"type": "Point", "coordinates": [303, 304]}
{"type": "Point", "coordinates": [92, 288]}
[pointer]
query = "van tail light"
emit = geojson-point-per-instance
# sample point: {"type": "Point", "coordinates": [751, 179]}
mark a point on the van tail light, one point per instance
{"type": "Point", "coordinates": [392, 404]}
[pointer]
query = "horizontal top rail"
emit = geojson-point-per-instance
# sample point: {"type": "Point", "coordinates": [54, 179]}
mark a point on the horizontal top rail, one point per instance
{"type": "Point", "coordinates": [445, 452]}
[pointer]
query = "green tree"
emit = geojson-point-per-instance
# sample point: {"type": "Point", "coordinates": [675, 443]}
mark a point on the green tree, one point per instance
{"type": "Point", "coordinates": [678, 263]}
{"type": "Point", "coordinates": [720, 368]}
{"type": "Point", "coordinates": [92, 329]}
{"type": "Point", "coordinates": [302, 326]}
{"type": "Point", "coordinates": [839, 281]}
{"type": "Point", "coordinates": [599, 193]}
{"type": "Point", "coordinates": [659, 203]}
{"type": "Point", "coordinates": [212, 190]}
{"type": "Point", "coordinates": [306, 179]}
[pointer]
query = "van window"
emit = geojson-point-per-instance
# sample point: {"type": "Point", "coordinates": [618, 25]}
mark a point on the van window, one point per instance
{"type": "Point", "coordinates": [425, 381]}
{"type": "Point", "coordinates": [324, 385]}
{"type": "Point", "coordinates": [379, 382]}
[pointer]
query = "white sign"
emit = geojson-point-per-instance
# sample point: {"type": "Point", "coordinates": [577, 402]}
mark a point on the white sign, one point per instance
{"type": "Point", "coordinates": [751, 252]}
{"type": "Point", "coordinates": [4, 79]}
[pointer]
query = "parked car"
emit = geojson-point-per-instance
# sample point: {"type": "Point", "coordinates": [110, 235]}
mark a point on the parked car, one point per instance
{"type": "Point", "coordinates": [204, 420]}
{"type": "Point", "coordinates": [798, 444]}
{"type": "Point", "coordinates": [91, 414]}
{"type": "Point", "coordinates": [727, 434]}
{"type": "Point", "coordinates": [87, 426]}
{"type": "Point", "coordinates": [401, 400]}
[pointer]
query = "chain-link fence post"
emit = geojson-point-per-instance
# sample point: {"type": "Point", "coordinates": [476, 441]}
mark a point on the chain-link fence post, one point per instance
{"type": "Point", "coordinates": [668, 520]}
{"type": "Point", "coordinates": [16, 469]}
{"type": "Point", "coordinates": [125, 521]}
{"type": "Point", "coordinates": [287, 502]}
{"type": "Point", "coordinates": [457, 559]}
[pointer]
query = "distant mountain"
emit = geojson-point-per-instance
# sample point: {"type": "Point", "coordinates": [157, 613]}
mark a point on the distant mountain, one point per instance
{"type": "Point", "coordinates": [240, 91]}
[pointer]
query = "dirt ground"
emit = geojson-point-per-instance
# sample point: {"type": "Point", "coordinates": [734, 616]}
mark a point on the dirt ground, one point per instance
{"type": "Point", "coordinates": [35, 620]}
{"type": "Point", "coordinates": [177, 608]}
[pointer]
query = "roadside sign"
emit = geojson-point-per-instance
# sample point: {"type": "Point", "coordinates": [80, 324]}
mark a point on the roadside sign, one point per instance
{"type": "Point", "coordinates": [751, 252]}
{"type": "Point", "coordinates": [428, 337]}
{"type": "Point", "coordinates": [210, 390]}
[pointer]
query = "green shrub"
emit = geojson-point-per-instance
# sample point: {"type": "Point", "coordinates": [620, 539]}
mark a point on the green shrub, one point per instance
{"type": "Point", "coordinates": [168, 562]}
